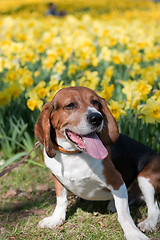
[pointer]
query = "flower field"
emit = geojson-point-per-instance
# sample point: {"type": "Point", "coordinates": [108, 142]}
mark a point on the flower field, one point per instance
{"type": "Point", "coordinates": [112, 47]}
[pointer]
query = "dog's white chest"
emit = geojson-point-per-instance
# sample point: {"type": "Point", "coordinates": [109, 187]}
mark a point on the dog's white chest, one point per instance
{"type": "Point", "coordinates": [81, 174]}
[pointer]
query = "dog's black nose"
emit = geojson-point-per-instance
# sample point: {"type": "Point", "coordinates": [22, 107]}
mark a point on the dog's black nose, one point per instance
{"type": "Point", "coordinates": [95, 118]}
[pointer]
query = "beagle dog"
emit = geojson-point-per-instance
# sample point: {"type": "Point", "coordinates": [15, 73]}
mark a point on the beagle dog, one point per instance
{"type": "Point", "coordinates": [83, 149]}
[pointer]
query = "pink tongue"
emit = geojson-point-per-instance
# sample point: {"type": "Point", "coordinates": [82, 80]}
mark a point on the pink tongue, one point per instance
{"type": "Point", "coordinates": [95, 147]}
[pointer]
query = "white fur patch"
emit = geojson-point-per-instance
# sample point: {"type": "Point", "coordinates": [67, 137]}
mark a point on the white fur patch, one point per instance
{"type": "Point", "coordinates": [81, 174]}
{"type": "Point", "coordinates": [59, 215]}
{"type": "Point", "coordinates": [131, 232]}
{"type": "Point", "coordinates": [149, 224]}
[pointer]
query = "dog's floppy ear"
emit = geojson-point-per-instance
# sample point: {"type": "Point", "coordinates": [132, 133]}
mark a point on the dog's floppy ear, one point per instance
{"type": "Point", "coordinates": [44, 130]}
{"type": "Point", "coordinates": [110, 132]}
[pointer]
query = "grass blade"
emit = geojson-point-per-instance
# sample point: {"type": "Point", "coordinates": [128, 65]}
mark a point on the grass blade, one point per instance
{"type": "Point", "coordinates": [13, 159]}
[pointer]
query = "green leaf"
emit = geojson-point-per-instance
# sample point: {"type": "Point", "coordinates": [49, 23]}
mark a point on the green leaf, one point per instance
{"type": "Point", "coordinates": [13, 159]}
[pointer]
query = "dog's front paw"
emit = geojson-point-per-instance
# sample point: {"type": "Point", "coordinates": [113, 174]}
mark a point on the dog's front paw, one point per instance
{"type": "Point", "coordinates": [136, 235]}
{"type": "Point", "coordinates": [51, 222]}
{"type": "Point", "coordinates": [148, 224]}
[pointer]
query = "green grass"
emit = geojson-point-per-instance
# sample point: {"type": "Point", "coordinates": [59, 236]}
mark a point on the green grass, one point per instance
{"type": "Point", "coordinates": [33, 198]}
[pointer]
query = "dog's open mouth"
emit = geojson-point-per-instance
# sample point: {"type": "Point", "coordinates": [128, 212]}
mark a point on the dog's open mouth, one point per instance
{"type": "Point", "coordinates": [91, 143]}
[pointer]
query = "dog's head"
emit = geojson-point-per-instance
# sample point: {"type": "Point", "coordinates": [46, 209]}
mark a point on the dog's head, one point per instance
{"type": "Point", "coordinates": [80, 116]}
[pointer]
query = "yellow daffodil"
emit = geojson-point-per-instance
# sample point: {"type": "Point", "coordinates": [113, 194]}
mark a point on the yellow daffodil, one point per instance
{"type": "Point", "coordinates": [2, 64]}
{"type": "Point", "coordinates": [156, 95]}
{"type": "Point", "coordinates": [136, 90]}
{"type": "Point", "coordinates": [116, 109]}
{"type": "Point", "coordinates": [14, 90]}
{"type": "Point", "coordinates": [109, 71]}
{"type": "Point", "coordinates": [150, 113]}
{"type": "Point", "coordinates": [59, 67]}
{"type": "Point", "coordinates": [42, 92]}
{"type": "Point", "coordinates": [142, 88]}
{"type": "Point", "coordinates": [107, 92]}
{"type": "Point", "coordinates": [34, 101]}
{"type": "Point", "coordinates": [36, 73]}
{"type": "Point", "coordinates": [25, 78]}
{"type": "Point", "coordinates": [4, 98]}
{"type": "Point", "coordinates": [106, 53]}
{"type": "Point", "coordinates": [72, 69]}
{"type": "Point", "coordinates": [90, 80]}
{"type": "Point", "coordinates": [54, 86]}
{"type": "Point", "coordinates": [107, 89]}
{"type": "Point", "coordinates": [11, 76]}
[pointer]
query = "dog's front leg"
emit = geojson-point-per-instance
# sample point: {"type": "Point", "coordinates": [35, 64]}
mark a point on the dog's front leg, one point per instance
{"type": "Point", "coordinates": [121, 202]}
{"type": "Point", "coordinates": [59, 215]}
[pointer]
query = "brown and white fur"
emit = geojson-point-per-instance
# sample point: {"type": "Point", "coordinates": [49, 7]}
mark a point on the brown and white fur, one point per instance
{"type": "Point", "coordinates": [79, 111]}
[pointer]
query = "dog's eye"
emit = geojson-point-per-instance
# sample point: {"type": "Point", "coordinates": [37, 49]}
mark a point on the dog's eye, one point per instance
{"type": "Point", "coordinates": [95, 102]}
{"type": "Point", "coordinates": [70, 106]}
